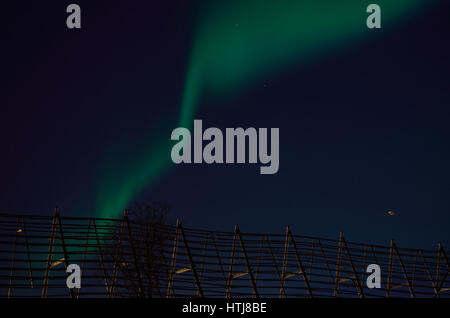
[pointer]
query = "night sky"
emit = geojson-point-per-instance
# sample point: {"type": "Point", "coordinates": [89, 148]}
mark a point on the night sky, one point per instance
{"type": "Point", "coordinates": [363, 114]}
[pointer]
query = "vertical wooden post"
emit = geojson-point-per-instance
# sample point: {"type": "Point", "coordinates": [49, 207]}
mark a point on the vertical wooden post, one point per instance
{"type": "Point", "coordinates": [247, 262]}
{"type": "Point", "coordinates": [170, 291]}
{"type": "Point", "coordinates": [430, 277]}
{"type": "Point", "coordinates": [100, 252]}
{"type": "Point", "coordinates": [191, 262]}
{"type": "Point", "coordinates": [442, 251]}
{"type": "Point", "coordinates": [284, 266]}
{"type": "Point", "coordinates": [391, 261]}
{"type": "Point", "coordinates": [355, 273]}
{"type": "Point", "coordinates": [410, 287]}
{"type": "Point", "coordinates": [63, 243]}
{"type": "Point", "coordinates": [338, 265]}
{"type": "Point", "coordinates": [438, 268]}
{"type": "Point", "coordinates": [230, 273]}
{"type": "Point", "coordinates": [49, 258]}
{"type": "Point", "coordinates": [300, 264]}
{"type": "Point", "coordinates": [290, 237]}
{"type": "Point", "coordinates": [133, 251]}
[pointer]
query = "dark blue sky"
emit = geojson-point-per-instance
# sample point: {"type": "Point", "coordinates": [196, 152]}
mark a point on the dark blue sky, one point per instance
{"type": "Point", "coordinates": [362, 130]}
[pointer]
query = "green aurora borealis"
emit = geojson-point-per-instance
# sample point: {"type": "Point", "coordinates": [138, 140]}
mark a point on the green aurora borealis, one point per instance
{"type": "Point", "coordinates": [234, 44]}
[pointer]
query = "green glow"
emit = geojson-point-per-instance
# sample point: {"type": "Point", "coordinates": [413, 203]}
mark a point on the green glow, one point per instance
{"type": "Point", "coordinates": [234, 44]}
{"type": "Point", "coordinates": [122, 183]}
{"type": "Point", "coordinates": [238, 41]}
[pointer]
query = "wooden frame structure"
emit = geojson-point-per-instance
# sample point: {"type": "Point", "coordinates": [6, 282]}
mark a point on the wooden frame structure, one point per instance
{"type": "Point", "coordinates": [117, 260]}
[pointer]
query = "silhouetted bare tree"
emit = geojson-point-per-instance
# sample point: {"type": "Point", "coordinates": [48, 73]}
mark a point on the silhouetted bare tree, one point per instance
{"type": "Point", "coordinates": [141, 258]}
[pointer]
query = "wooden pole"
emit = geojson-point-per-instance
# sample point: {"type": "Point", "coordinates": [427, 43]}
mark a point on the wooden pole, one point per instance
{"type": "Point", "coordinates": [49, 257]}
{"type": "Point", "coordinates": [355, 273]}
{"type": "Point", "coordinates": [133, 250]}
{"type": "Point", "coordinates": [338, 265]}
{"type": "Point", "coordinates": [300, 264]}
{"type": "Point", "coordinates": [191, 262]}
{"type": "Point", "coordinates": [247, 262]}
{"type": "Point", "coordinates": [230, 272]}
{"type": "Point", "coordinates": [170, 291]}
